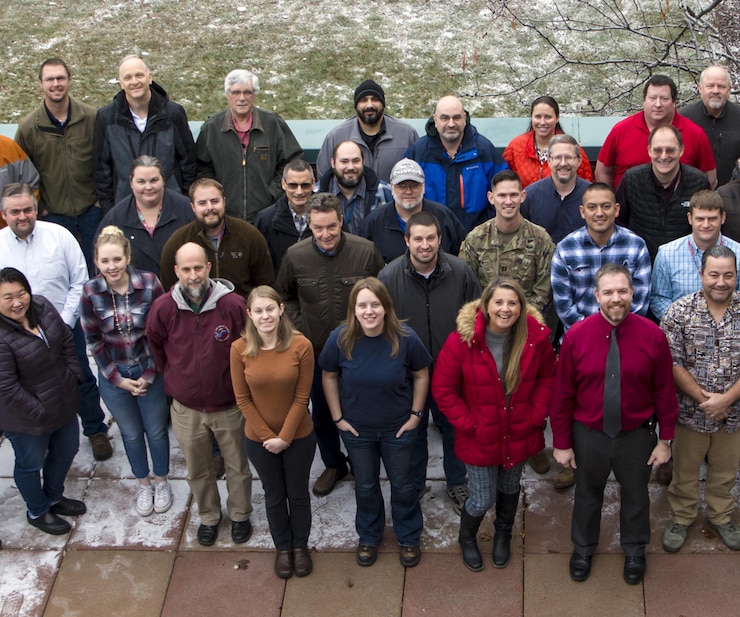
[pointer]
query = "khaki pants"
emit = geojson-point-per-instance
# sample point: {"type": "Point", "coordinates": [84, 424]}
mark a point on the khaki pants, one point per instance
{"type": "Point", "coordinates": [193, 430]}
{"type": "Point", "coordinates": [689, 449]}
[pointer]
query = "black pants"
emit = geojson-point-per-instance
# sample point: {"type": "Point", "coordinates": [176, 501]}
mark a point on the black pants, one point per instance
{"type": "Point", "coordinates": [284, 477]}
{"type": "Point", "coordinates": [596, 455]}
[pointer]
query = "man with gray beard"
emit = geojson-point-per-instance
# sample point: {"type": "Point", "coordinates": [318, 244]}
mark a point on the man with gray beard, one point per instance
{"type": "Point", "coordinates": [386, 225]}
{"type": "Point", "coordinates": [190, 330]}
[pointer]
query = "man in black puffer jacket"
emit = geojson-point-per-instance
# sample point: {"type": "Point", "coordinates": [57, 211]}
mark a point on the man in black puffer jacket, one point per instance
{"type": "Point", "coordinates": [140, 120]}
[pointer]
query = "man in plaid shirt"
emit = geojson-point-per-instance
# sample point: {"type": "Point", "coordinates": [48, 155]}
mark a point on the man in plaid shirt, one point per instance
{"type": "Point", "coordinates": [581, 253]}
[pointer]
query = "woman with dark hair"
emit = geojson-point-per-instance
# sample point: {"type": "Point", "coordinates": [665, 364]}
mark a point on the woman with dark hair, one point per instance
{"type": "Point", "coordinates": [271, 371]}
{"type": "Point", "coordinates": [113, 311]}
{"type": "Point", "coordinates": [493, 380]}
{"type": "Point", "coordinates": [39, 398]}
{"type": "Point", "coordinates": [528, 153]}
{"type": "Point", "coordinates": [376, 377]}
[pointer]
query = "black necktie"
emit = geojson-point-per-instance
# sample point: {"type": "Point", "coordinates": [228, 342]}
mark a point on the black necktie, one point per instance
{"type": "Point", "coordinates": [612, 389]}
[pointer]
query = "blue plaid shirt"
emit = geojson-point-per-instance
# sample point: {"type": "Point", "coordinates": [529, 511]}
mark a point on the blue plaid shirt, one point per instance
{"type": "Point", "coordinates": [575, 262]}
{"type": "Point", "coordinates": [676, 271]}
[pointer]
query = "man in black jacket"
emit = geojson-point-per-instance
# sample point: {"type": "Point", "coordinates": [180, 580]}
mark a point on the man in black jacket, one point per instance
{"type": "Point", "coordinates": [654, 198]}
{"type": "Point", "coordinates": [140, 120]}
{"type": "Point", "coordinates": [286, 222]}
{"type": "Point", "coordinates": [428, 288]}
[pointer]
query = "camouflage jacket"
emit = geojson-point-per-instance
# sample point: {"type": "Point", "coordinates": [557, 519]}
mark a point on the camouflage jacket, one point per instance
{"type": "Point", "coordinates": [525, 258]}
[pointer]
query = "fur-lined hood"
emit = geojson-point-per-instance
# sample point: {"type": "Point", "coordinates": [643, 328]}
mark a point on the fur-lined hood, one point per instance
{"type": "Point", "coordinates": [467, 319]}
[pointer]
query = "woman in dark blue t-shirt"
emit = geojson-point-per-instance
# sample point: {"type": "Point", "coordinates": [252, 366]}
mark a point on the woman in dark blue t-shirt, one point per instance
{"type": "Point", "coordinates": [375, 377]}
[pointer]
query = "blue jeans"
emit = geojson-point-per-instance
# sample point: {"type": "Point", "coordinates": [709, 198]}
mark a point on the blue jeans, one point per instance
{"type": "Point", "coordinates": [91, 414]}
{"type": "Point", "coordinates": [455, 472]}
{"type": "Point", "coordinates": [138, 416]}
{"type": "Point", "coordinates": [53, 452]}
{"type": "Point", "coordinates": [365, 452]}
{"type": "Point", "coordinates": [83, 227]}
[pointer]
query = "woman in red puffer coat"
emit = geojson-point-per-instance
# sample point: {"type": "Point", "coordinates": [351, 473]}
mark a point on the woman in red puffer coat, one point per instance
{"type": "Point", "coordinates": [493, 380]}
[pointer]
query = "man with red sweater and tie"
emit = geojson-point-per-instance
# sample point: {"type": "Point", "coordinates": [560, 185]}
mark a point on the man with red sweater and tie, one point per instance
{"type": "Point", "coordinates": [615, 379]}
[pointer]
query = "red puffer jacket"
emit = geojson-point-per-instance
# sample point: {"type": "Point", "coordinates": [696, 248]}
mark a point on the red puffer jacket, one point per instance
{"type": "Point", "coordinates": [467, 389]}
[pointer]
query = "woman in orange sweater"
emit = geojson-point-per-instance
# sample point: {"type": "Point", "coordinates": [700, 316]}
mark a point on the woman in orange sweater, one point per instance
{"type": "Point", "coordinates": [272, 371]}
{"type": "Point", "coordinates": [527, 154]}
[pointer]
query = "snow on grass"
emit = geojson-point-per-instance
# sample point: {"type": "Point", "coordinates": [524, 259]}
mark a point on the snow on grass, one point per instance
{"type": "Point", "coordinates": [310, 56]}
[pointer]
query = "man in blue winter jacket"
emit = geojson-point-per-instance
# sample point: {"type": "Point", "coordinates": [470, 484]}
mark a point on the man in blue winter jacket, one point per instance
{"type": "Point", "coordinates": [458, 162]}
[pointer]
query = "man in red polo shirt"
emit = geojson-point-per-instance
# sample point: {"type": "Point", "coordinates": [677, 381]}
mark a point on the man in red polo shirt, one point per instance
{"type": "Point", "coordinates": [626, 144]}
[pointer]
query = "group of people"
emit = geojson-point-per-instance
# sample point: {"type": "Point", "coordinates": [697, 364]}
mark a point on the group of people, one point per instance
{"type": "Point", "coordinates": [264, 314]}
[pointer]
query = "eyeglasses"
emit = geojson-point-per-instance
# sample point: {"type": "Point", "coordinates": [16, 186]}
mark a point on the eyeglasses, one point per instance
{"type": "Point", "coordinates": [241, 93]}
{"type": "Point", "coordinates": [306, 186]}
{"type": "Point", "coordinates": [567, 158]}
{"type": "Point", "coordinates": [669, 151]}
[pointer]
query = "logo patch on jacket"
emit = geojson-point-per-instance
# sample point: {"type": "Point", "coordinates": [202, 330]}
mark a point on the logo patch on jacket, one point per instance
{"type": "Point", "coordinates": [222, 333]}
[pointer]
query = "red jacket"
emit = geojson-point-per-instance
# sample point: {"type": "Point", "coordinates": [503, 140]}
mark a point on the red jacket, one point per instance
{"type": "Point", "coordinates": [522, 158]}
{"type": "Point", "coordinates": [467, 389]}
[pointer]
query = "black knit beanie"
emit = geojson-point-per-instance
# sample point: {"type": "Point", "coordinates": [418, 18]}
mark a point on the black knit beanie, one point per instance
{"type": "Point", "coordinates": [369, 87]}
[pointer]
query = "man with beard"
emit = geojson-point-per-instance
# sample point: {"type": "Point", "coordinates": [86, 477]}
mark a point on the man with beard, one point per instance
{"type": "Point", "coordinates": [554, 202]}
{"type": "Point", "coordinates": [614, 380]}
{"type": "Point", "coordinates": [235, 248]}
{"type": "Point", "coordinates": [458, 162]}
{"type": "Point", "coordinates": [190, 330]}
{"type": "Point", "coordinates": [382, 138]}
{"type": "Point", "coordinates": [702, 330]}
{"type": "Point", "coordinates": [386, 225]}
{"type": "Point", "coordinates": [719, 117]}
{"type": "Point", "coordinates": [286, 221]}
{"type": "Point", "coordinates": [358, 188]}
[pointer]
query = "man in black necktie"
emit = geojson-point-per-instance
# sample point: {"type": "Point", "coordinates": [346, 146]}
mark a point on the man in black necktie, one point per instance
{"type": "Point", "coordinates": [614, 381]}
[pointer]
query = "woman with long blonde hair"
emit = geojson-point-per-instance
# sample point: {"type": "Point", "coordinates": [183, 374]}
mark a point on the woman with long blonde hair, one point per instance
{"type": "Point", "coordinates": [113, 312]}
{"type": "Point", "coordinates": [493, 380]}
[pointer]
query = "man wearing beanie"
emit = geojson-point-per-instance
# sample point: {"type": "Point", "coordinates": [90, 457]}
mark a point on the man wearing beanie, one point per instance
{"type": "Point", "coordinates": [383, 139]}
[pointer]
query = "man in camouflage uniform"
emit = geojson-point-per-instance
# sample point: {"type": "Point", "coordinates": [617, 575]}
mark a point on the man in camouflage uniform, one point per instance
{"type": "Point", "coordinates": [510, 245]}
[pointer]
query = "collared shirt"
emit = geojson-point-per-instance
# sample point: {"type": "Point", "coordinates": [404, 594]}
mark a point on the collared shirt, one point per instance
{"type": "Point", "coordinates": [709, 351]}
{"type": "Point", "coordinates": [575, 262]}
{"type": "Point", "coordinates": [114, 324]}
{"type": "Point", "coordinates": [59, 124]}
{"type": "Point", "coordinates": [299, 220]}
{"type": "Point", "coordinates": [526, 258]}
{"type": "Point", "coordinates": [676, 271]}
{"type": "Point", "coordinates": [53, 262]}
{"type": "Point", "coordinates": [544, 206]}
{"type": "Point", "coordinates": [139, 121]}
{"type": "Point", "coordinates": [352, 209]}
{"type": "Point", "coordinates": [626, 145]}
{"type": "Point", "coordinates": [647, 386]}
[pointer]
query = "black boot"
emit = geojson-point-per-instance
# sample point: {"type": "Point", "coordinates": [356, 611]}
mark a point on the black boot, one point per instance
{"type": "Point", "coordinates": [505, 512]}
{"type": "Point", "coordinates": [468, 531]}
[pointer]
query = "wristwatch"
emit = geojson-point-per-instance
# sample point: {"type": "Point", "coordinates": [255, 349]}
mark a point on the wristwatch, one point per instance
{"type": "Point", "coordinates": [418, 414]}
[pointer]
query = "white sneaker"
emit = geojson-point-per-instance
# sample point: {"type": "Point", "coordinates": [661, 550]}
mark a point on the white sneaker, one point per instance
{"type": "Point", "coordinates": [162, 496]}
{"type": "Point", "coordinates": [145, 500]}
